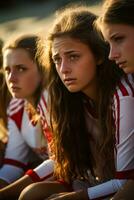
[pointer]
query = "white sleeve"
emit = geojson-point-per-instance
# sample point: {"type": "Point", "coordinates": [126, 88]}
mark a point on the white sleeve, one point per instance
{"type": "Point", "coordinates": [124, 156]}
{"type": "Point", "coordinates": [45, 169]}
{"type": "Point", "coordinates": [16, 155]}
{"type": "Point", "coordinates": [105, 190]}
{"type": "Point", "coordinates": [125, 139]}
{"type": "Point", "coordinates": [43, 172]}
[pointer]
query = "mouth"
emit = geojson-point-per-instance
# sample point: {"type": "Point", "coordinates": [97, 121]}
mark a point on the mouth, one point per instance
{"type": "Point", "coordinates": [69, 81]}
{"type": "Point", "coordinates": [15, 89]}
{"type": "Point", "coordinates": [121, 64]}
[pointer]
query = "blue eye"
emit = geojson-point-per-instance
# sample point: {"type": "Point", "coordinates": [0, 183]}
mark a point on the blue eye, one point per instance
{"type": "Point", "coordinates": [21, 69]}
{"type": "Point", "coordinates": [118, 39]}
{"type": "Point", "coordinates": [74, 57]}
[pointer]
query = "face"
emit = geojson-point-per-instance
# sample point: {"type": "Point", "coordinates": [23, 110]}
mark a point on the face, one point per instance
{"type": "Point", "coordinates": [121, 40]}
{"type": "Point", "coordinates": [75, 65]}
{"type": "Point", "coordinates": [21, 73]}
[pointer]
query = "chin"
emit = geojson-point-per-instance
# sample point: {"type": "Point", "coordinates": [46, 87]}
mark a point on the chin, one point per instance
{"type": "Point", "coordinates": [73, 90]}
{"type": "Point", "coordinates": [129, 70]}
{"type": "Point", "coordinates": [17, 96]}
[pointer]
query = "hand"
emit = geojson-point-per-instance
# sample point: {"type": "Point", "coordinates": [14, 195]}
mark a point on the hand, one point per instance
{"type": "Point", "coordinates": [77, 195]}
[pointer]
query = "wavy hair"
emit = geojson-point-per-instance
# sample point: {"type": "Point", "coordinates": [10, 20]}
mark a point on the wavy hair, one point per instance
{"type": "Point", "coordinates": [71, 138]}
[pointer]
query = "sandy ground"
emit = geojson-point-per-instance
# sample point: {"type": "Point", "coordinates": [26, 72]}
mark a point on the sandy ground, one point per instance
{"type": "Point", "coordinates": [30, 18]}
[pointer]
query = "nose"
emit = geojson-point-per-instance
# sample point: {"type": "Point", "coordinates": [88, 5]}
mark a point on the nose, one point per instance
{"type": "Point", "coordinates": [12, 77]}
{"type": "Point", "coordinates": [65, 67]}
{"type": "Point", "coordinates": [113, 54]}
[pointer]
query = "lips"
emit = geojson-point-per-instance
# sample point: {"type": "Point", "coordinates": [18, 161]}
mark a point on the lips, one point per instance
{"type": "Point", "coordinates": [69, 81]}
{"type": "Point", "coordinates": [121, 64]}
{"type": "Point", "coordinates": [15, 89]}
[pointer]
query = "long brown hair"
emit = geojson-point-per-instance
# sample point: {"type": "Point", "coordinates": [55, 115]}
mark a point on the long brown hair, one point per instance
{"type": "Point", "coordinates": [4, 98]}
{"type": "Point", "coordinates": [71, 137]}
{"type": "Point", "coordinates": [113, 12]}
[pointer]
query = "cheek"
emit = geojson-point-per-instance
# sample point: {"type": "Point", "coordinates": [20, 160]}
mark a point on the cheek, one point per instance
{"type": "Point", "coordinates": [32, 82]}
{"type": "Point", "coordinates": [89, 70]}
{"type": "Point", "coordinates": [130, 48]}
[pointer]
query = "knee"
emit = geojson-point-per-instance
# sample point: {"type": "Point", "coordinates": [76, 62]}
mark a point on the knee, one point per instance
{"type": "Point", "coordinates": [28, 193]}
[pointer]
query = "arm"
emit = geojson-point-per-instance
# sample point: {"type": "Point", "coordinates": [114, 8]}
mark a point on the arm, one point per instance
{"type": "Point", "coordinates": [13, 164]}
{"type": "Point", "coordinates": [13, 190]}
{"type": "Point", "coordinates": [42, 172]}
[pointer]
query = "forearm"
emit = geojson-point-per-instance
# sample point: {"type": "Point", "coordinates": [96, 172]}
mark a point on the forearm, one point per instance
{"type": "Point", "coordinates": [106, 189]}
{"type": "Point", "coordinates": [126, 192]}
{"type": "Point", "coordinates": [14, 189]}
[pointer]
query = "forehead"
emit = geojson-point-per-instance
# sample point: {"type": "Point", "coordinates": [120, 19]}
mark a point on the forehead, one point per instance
{"type": "Point", "coordinates": [109, 30]}
{"type": "Point", "coordinates": [15, 54]}
{"type": "Point", "coordinates": [14, 57]}
{"type": "Point", "coordinates": [65, 44]}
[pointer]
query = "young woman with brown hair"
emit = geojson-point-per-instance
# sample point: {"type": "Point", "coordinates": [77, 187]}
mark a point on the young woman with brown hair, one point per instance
{"type": "Point", "coordinates": [91, 100]}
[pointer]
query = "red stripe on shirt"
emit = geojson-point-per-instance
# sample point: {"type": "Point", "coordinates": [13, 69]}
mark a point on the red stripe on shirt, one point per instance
{"type": "Point", "coordinates": [45, 127]}
{"type": "Point", "coordinates": [127, 174]}
{"type": "Point", "coordinates": [14, 105]}
{"type": "Point", "coordinates": [44, 101]}
{"type": "Point", "coordinates": [123, 89]}
{"type": "Point", "coordinates": [17, 117]}
{"type": "Point", "coordinates": [15, 163]}
{"type": "Point", "coordinates": [34, 176]}
{"type": "Point", "coordinates": [117, 117]}
{"type": "Point", "coordinates": [130, 86]}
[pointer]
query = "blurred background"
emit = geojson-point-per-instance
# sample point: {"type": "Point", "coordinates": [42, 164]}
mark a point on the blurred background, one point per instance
{"type": "Point", "coordinates": [33, 16]}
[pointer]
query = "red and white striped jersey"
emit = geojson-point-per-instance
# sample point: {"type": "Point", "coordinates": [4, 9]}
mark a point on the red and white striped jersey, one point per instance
{"type": "Point", "coordinates": [123, 112]}
{"type": "Point", "coordinates": [26, 140]}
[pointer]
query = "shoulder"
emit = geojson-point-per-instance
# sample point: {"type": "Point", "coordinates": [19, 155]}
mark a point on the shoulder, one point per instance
{"type": "Point", "coordinates": [44, 98]}
{"type": "Point", "coordinates": [42, 105]}
{"type": "Point", "coordinates": [15, 111]}
{"type": "Point", "coordinates": [125, 87]}
{"type": "Point", "coordinates": [15, 106]}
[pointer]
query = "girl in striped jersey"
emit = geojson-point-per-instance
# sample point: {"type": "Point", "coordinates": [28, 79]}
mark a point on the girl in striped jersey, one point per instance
{"type": "Point", "coordinates": [118, 31]}
{"type": "Point", "coordinates": [29, 136]}
{"type": "Point", "coordinates": [92, 119]}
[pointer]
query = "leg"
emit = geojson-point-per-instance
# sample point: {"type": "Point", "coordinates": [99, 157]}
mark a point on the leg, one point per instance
{"type": "Point", "coordinates": [126, 193]}
{"type": "Point", "coordinates": [41, 190]}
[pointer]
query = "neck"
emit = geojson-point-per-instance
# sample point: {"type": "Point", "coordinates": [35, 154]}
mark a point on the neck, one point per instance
{"type": "Point", "coordinates": [93, 92]}
{"type": "Point", "coordinates": [31, 102]}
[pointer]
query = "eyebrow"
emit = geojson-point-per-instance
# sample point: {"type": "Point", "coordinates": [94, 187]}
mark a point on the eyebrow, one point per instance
{"type": "Point", "coordinates": [113, 35]}
{"type": "Point", "coordinates": [15, 66]}
{"type": "Point", "coordinates": [65, 53]}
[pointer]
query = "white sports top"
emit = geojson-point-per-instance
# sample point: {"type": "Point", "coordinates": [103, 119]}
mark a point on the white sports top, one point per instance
{"type": "Point", "coordinates": [123, 112]}
{"type": "Point", "coordinates": [26, 140]}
